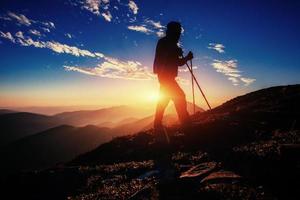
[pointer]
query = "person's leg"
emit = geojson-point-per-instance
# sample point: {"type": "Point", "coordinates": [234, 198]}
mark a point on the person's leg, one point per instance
{"type": "Point", "coordinates": [160, 109]}
{"type": "Point", "coordinates": [180, 103]}
{"type": "Point", "coordinates": [161, 104]}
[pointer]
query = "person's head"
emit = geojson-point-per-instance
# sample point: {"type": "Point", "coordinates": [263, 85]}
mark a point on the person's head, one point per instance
{"type": "Point", "coordinates": [174, 30]}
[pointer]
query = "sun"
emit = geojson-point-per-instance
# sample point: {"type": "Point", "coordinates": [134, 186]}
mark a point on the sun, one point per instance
{"type": "Point", "coordinates": [153, 97]}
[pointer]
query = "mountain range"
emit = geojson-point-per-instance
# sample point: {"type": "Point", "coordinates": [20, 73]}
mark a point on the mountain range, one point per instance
{"type": "Point", "coordinates": [33, 141]}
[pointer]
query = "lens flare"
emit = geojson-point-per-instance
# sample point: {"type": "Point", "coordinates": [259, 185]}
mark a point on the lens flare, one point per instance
{"type": "Point", "coordinates": [153, 97]}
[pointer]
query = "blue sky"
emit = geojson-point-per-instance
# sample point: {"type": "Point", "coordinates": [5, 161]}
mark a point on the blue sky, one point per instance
{"type": "Point", "coordinates": [94, 52]}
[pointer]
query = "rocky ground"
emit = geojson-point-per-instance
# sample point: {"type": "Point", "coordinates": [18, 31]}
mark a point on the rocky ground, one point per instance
{"type": "Point", "coordinates": [257, 170]}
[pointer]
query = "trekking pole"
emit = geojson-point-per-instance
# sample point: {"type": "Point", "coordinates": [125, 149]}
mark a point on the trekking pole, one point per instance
{"type": "Point", "coordinates": [198, 85]}
{"type": "Point", "coordinates": [193, 90]}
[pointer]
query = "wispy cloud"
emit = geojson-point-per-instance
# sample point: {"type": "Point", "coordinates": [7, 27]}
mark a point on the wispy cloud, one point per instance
{"type": "Point", "coordinates": [92, 6]}
{"type": "Point", "coordinates": [114, 68]}
{"type": "Point", "coordinates": [133, 7]}
{"type": "Point", "coordinates": [218, 47]}
{"type": "Point", "coordinates": [105, 9]}
{"type": "Point", "coordinates": [53, 45]}
{"type": "Point", "coordinates": [154, 24]}
{"type": "Point", "coordinates": [19, 34]}
{"type": "Point", "coordinates": [35, 32]}
{"type": "Point", "coordinates": [160, 33]}
{"type": "Point", "coordinates": [235, 81]}
{"type": "Point", "coordinates": [110, 68]}
{"type": "Point", "coordinates": [47, 30]}
{"type": "Point", "coordinates": [149, 27]}
{"type": "Point", "coordinates": [248, 81]}
{"type": "Point", "coordinates": [68, 35]}
{"type": "Point", "coordinates": [98, 7]}
{"type": "Point", "coordinates": [7, 36]}
{"type": "Point", "coordinates": [48, 24]}
{"type": "Point", "coordinates": [230, 69]}
{"type": "Point", "coordinates": [156, 27]}
{"type": "Point", "coordinates": [22, 19]}
{"type": "Point", "coordinates": [107, 16]}
{"type": "Point", "coordinates": [142, 29]}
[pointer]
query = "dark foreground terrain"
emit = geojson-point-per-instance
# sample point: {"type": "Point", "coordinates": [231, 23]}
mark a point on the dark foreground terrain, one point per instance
{"type": "Point", "coordinates": [247, 148]}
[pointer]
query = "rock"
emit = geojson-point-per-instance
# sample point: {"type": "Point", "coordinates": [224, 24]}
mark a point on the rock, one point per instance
{"type": "Point", "coordinates": [221, 176]}
{"type": "Point", "coordinates": [199, 171]}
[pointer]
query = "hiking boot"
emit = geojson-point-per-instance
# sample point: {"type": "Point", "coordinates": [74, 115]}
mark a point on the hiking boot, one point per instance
{"type": "Point", "coordinates": [160, 134]}
{"type": "Point", "coordinates": [158, 126]}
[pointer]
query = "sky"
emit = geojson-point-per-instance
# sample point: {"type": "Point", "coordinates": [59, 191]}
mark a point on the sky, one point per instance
{"type": "Point", "coordinates": [100, 52]}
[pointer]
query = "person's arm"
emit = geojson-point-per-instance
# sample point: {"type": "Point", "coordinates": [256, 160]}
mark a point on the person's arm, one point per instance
{"type": "Point", "coordinates": [182, 60]}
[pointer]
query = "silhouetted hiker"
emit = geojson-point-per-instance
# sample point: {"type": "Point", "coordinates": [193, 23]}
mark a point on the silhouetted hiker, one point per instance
{"type": "Point", "coordinates": [168, 57]}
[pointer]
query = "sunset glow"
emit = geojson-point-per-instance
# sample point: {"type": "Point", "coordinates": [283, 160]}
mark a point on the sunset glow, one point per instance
{"type": "Point", "coordinates": [48, 60]}
{"type": "Point", "coordinates": [154, 97]}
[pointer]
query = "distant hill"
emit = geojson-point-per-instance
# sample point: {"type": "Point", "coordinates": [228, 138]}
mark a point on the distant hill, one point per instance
{"type": "Point", "coordinates": [14, 126]}
{"type": "Point", "coordinates": [52, 110]}
{"type": "Point", "coordinates": [144, 124]}
{"type": "Point", "coordinates": [47, 148]}
{"type": "Point", "coordinates": [6, 111]}
{"type": "Point", "coordinates": [17, 125]}
{"type": "Point", "coordinates": [134, 125]}
{"type": "Point", "coordinates": [111, 115]}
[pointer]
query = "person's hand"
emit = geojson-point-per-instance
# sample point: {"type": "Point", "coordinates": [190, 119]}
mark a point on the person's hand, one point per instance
{"type": "Point", "coordinates": [190, 56]}
{"type": "Point", "coordinates": [180, 52]}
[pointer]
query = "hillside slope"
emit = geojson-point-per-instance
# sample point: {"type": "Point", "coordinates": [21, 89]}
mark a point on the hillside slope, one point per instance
{"type": "Point", "coordinates": [17, 125]}
{"type": "Point", "coordinates": [47, 148]}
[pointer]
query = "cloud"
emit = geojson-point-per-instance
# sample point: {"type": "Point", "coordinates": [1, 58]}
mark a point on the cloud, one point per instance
{"type": "Point", "coordinates": [156, 27]}
{"type": "Point", "coordinates": [97, 6]}
{"type": "Point", "coordinates": [235, 81]}
{"type": "Point", "coordinates": [114, 68]}
{"type": "Point", "coordinates": [110, 68]}
{"type": "Point", "coordinates": [22, 19]}
{"type": "Point", "coordinates": [160, 33]}
{"type": "Point", "coordinates": [49, 24]}
{"type": "Point", "coordinates": [52, 45]}
{"type": "Point", "coordinates": [218, 47]}
{"type": "Point", "coordinates": [8, 36]}
{"type": "Point", "coordinates": [68, 35]}
{"type": "Point", "coordinates": [133, 7]}
{"type": "Point", "coordinates": [248, 81]}
{"type": "Point", "coordinates": [230, 69]}
{"type": "Point", "coordinates": [142, 29]}
{"type": "Point", "coordinates": [46, 30]}
{"type": "Point", "coordinates": [35, 32]}
{"type": "Point", "coordinates": [19, 34]}
{"type": "Point", "coordinates": [92, 6]}
{"type": "Point", "coordinates": [107, 16]}
{"type": "Point", "coordinates": [149, 27]}
{"type": "Point", "coordinates": [104, 8]}
{"type": "Point", "coordinates": [154, 24]}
